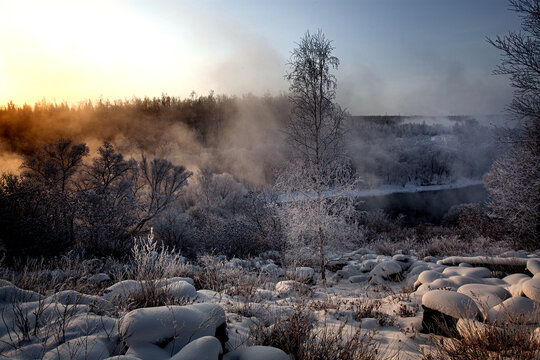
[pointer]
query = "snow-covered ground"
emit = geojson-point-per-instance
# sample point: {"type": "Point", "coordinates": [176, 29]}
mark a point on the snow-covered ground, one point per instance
{"type": "Point", "coordinates": [399, 300]}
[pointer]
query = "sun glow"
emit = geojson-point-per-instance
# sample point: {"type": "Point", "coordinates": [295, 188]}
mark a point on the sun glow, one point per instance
{"type": "Point", "coordinates": [69, 50]}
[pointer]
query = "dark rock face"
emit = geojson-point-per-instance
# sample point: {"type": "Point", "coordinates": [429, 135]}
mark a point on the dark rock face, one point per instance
{"type": "Point", "coordinates": [435, 322]}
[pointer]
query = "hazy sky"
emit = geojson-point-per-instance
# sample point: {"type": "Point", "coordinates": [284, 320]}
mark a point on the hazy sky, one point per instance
{"type": "Point", "coordinates": [397, 56]}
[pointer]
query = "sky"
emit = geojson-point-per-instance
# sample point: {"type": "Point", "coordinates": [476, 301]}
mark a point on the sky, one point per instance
{"type": "Point", "coordinates": [408, 57]}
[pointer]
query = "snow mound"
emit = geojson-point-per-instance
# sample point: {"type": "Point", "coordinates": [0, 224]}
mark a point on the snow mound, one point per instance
{"type": "Point", "coordinates": [147, 351]}
{"type": "Point", "coordinates": [517, 309]}
{"type": "Point", "coordinates": [175, 325]}
{"type": "Point", "coordinates": [389, 270]}
{"type": "Point", "coordinates": [515, 283]}
{"type": "Point", "coordinates": [204, 348]}
{"type": "Point", "coordinates": [257, 353]}
{"type": "Point", "coordinates": [533, 265]}
{"type": "Point", "coordinates": [83, 348]}
{"type": "Point", "coordinates": [531, 288]}
{"type": "Point", "coordinates": [485, 296]}
{"type": "Point", "coordinates": [304, 275]}
{"type": "Point", "coordinates": [451, 303]}
{"type": "Point", "coordinates": [288, 287]}
{"type": "Point", "coordinates": [479, 272]}
{"type": "Point", "coordinates": [181, 289]}
{"type": "Point", "coordinates": [11, 294]}
{"type": "Point", "coordinates": [427, 277]}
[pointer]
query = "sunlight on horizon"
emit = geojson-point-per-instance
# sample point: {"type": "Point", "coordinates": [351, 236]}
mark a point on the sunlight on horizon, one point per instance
{"type": "Point", "coordinates": [69, 51]}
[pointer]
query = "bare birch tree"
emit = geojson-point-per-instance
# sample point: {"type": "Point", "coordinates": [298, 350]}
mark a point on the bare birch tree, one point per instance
{"type": "Point", "coordinates": [315, 132]}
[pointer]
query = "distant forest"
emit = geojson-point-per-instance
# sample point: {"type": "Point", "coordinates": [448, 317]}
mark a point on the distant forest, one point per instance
{"type": "Point", "coordinates": [243, 136]}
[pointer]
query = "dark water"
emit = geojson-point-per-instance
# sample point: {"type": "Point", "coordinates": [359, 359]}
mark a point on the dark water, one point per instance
{"type": "Point", "coordinates": [423, 206]}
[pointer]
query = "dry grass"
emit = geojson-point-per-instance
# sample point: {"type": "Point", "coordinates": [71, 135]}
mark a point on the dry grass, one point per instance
{"type": "Point", "coordinates": [298, 335]}
{"type": "Point", "coordinates": [504, 340]}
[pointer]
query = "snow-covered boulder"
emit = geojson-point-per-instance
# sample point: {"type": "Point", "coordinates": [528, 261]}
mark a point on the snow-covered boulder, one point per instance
{"type": "Point", "coordinates": [203, 348]}
{"type": "Point", "coordinates": [83, 348]}
{"type": "Point", "coordinates": [181, 289]}
{"type": "Point", "coordinates": [485, 296]}
{"type": "Point", "coordinates": [531, 288]}
{"type": "Point", "coordinates": [517, 309]}
{"type": "Point", "coordinates": [368, 265]}
{"type": "Point", "coordinates": [271, 270]}
{"type": "Point", "coordinates": [533, 266]}
{"type": "Point", "coordinates": [99, 278]}
{"type": "Point", "coordinates": [443, 308]}
{"type": "Point", "coordinates": [437, 284]}
{"type": "Point", "coordinates": [72, 297]}
{"type": "Point", "coordinates": [288, 287]}
{"type": "Point", "coordinates": [404, 260]}
{"type": "Point", "coordinates": [145, 350]}
{"type": "Point", "coordinates": [427, 277]}
{"type": "Point", "coordinates": [388, 270]}
{"type": "Point", "coordinates": [515, 283]}
{"type": "Point", "coordinates": [358, 279]}
{"type": "Point", "coordinates": [177, 325]}
{"type": "Point", "coordinates": [122, 289]}
{"type": "Point", "coordinates": [304, 275]}
{"type": "Point", "coordinates": [479, 272]}
{"type": "Point", "coordinates": [11, 294]}
{"type": "Point", "coordinates": [451, 303]}
{"type": "Point", "coordinates": [257, 353]}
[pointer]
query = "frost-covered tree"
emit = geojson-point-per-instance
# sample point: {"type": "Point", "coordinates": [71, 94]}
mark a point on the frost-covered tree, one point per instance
{"type": "Point", "coordinates": [514, 180]}
{"type": "Point", "coordinates": [315, 135]}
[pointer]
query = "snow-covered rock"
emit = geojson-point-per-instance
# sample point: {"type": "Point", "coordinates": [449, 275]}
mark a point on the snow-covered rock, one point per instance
{"type": "Point", "coordinates": [517, 309]}
{"type": "Point", "coordinates": [122, 289]}
{"type": "Point", "coordinates": [427, 277]}
{"type": "Point", "coordinates": [12, 294]}
{"type": "Point", "coordinates": [203, 348]}
{"type": "Point", "coordinates": [304, 275]}
{"type": "Point", "coordinates": [257, 353]}
{"type": "Point", "coordinates": [515, 283]}
{"type": "Point", "coordinates": [177, 325]}
{"type": "Point", "coordinates": [83, 348]}
{"type": "Point", "coordinates": [181, 289]}
{"type": "Point", "coordinates": [145, 350]}
{"type": "Point", "coordinates": [358, 279]}
{"type": "Point", "coordinates": [288, 287]}
{"type": "Point", "coordinates": [533, 266]}
{"type": "Point", "coordinates": [531, 288]}
{"type": "Point", "coordinates": [451, 303]}
{"type": "Point", "coordinates": [478, 272]}
{"type": "Point", "coordinates": [485, 296]}
{"type": "Point", "coordinates": [388, 270]}
{"type": "Point", "coordinates": [97, 279]}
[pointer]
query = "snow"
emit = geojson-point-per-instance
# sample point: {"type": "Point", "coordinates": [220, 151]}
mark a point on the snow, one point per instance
{"type": "Point", "coordinates": [197, 331]}
{"type": "Point", "coordinates": [516, 309]}
{"type": "Point", "coordinates": [451, 303]}
{"type": "Point", "coordinates": [533, 265]}
{"type": "Point", "coordinates": [204, 348]}
{"type": "Point", "coordinates": [176, 325]}
{"type": "Point", "coordinates": [531, 288]}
